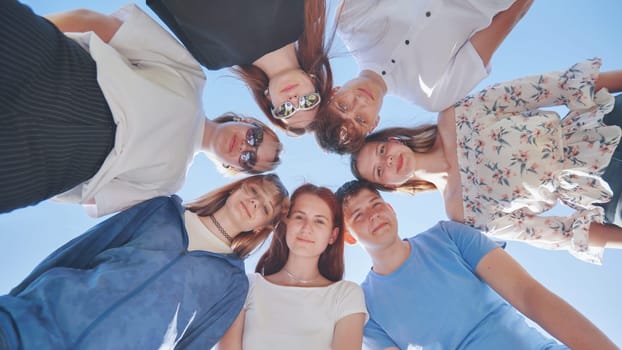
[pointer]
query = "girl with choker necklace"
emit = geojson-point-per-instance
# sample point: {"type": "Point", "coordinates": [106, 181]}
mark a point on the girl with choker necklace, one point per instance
{"type": "Point", "coordinates": [157, 275]}
{"type": "Point", "coordinates": [302, 274]}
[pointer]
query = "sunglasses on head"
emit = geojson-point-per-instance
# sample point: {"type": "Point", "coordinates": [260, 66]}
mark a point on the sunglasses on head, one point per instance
{"type": "Point", "coordinates": [287, 109]}
{"type": "Point", "coordinates": [253, 138]}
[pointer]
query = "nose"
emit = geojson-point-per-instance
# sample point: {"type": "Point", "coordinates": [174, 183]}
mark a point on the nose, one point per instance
{"type": "Point", "coordinates": [389, 160]}
{"type": "Point", "coordinates": [254, 202]}
{"type": "Point", "coordinates": [305, 227]}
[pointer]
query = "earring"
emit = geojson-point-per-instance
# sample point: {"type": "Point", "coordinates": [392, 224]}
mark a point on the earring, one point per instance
{"type": "Point", "coordinates": [266, 92]}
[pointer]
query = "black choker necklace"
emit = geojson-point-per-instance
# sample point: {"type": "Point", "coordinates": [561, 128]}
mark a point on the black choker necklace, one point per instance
{"type": "Point", "coordinates": [222, 230]}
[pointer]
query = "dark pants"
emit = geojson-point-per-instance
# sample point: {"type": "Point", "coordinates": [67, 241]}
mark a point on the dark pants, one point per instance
{"type": "Point", "coordinates": [56, 128]}
{"type": "Point", "coordinates": [613, 173]}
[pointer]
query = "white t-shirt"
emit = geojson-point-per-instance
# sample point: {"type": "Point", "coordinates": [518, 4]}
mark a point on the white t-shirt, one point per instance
{"type": "Point", "coordinates": [421, 48]}
{"type": "Point", "coordinates": [200, 238]}
{"type": "Point", "coordinates": [283, 317]}
{"type": "Point", "coordinates": [154, 89]}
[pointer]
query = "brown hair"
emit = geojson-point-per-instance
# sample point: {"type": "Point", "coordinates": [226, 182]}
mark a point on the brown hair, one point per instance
{"type": "Point", "coordinates": [338, 135]}
{"type": "Point", "coordinates": [245, 242]}
{"type": "Point", "coordinates": [312, 53]}
{"type": "Point", "coordinates": [331, 262]}
{"type": "Point", "coordinates": [419, 139]}
{"type": "Point", "coordinates": [234, 117]}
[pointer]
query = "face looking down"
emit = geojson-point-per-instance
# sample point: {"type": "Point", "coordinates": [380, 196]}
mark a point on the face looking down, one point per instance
{"type": "Point", "coordinates": [246, 146]}
{"type": "Point", "coordinates": [253, 204]}
{"type": "Point", "coordinates": [369, 219]}
{"type": "Point", "coordinates": [294, 98]}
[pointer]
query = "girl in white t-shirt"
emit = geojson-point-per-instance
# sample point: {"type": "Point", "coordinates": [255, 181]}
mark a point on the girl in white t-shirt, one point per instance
{"type": "Point", "coordinates": [297, 299]}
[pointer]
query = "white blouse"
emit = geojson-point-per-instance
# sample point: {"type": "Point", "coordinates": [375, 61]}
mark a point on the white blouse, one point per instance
{"type": "Point", "coordinates": [420, 47]}
{"type": "Point", "coordinates": [285, 317]}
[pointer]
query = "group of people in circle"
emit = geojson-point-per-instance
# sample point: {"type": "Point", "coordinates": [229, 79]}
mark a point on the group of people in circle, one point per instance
{"type": "Point", "coordinates": [105, 111]}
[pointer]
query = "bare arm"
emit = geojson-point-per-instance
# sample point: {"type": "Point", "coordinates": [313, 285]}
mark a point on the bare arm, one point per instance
{"type": "Point", "coordinates": [232, 340]}
{"type": "Point", "coordinates": [611, 80]}
{"type": "Point", "coordinates": [349, 332]}
{"type": "Point", "coordinates": [82, 20]}
{"type": "Point", "coordinates": [487, 40]}
{"type": "Point", "coordinates": [552, 313]}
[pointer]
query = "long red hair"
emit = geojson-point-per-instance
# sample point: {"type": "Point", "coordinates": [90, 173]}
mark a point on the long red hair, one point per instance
{"type": "Point", "coordinates": [331, 262]}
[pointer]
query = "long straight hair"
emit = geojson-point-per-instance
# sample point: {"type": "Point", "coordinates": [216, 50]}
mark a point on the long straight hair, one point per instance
{"type": "Point", "coordinates": [419, 139]}
{"type": "Point", "coordinates": [245, 242]}
{"type": "Point", "coordinates": [331, 262]}
{"type": "Point", "coordinates": [312, 54]}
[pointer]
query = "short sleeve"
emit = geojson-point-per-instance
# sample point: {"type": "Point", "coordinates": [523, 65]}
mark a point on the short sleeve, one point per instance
{"type": "Point", "coordinates": [252, 279]}
{"type": "Point", "coordinates": [351, 300]}
{"type": "Point", "coordinates": [471, 243]}
{"type": "Point", "coordinates": [374, 337]}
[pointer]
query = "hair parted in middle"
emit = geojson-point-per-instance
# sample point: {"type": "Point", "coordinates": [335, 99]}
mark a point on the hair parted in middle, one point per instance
{"type": "Point", "coordinates": [312, 53]}
{"type": "Point", "coordinates": [245, 242]}
{"type": "Point", "coordinates": [331, 263]}
{"type": "Point", "coordinates": [419, 139]}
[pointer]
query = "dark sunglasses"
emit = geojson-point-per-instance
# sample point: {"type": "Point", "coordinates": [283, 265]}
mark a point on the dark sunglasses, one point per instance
{"type": "Point", "coordinates": [254, 138]}
{"type": "Point", "coordinates": [287, 109]}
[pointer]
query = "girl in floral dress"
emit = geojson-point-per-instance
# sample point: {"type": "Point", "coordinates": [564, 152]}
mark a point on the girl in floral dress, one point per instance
{"type": "Point", "coordinates": [500, 162]}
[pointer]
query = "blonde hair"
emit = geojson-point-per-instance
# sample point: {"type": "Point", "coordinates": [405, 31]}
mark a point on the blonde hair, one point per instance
{"type": "Point", "coordinates": [245, 242]}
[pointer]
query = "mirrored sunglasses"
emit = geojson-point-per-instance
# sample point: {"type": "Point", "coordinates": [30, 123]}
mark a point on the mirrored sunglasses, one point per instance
{"type": "Point", "coordinates": [287, 109]}
{"type": "Point", "coordinates": [254, 138]}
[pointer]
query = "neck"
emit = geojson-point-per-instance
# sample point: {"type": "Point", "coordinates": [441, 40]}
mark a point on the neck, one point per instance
{"type": "Point", "coordinates": [376, 79]}
{"type": "Point", "coordinates": [302, 269]}
{"type": "Point", "coordinates": [388, 259]}
{"type": "Point", "coordinates": [278, 61]}
{"type": "Point", "coordinates": [225, 222]}
{"type": "Point", "coordinates": [433, 166]}
{"type": "Point", "coordinates": [209, 133]}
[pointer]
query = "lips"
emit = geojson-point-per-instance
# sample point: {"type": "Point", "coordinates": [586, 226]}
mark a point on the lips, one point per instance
{"type": "Point", "coordinates": [367, 93]}
{"type": "Point", "coordinates": [304, 240]}
{"type": "Point", "coordinates": [400, 163]}
{"type": "Point", "coordinates": [375, 229]}
{"type": "Point", "coordinates": [248, 213]}
{"type": "Point", "coordinates": [233, 142]}
{"type": "Point", "coordinates": [289, 88]}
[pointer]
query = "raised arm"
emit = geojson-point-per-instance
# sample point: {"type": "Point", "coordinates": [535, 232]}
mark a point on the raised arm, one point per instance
{"type": "Point", "coordinates": [83, 20]}
{"type": "Point", "coordinates": [349, 332]}
{"type": "Point", "coordinates": [487, 40]}
{"type": "Point", "coordinates": [232, 340]}
{"type": "Point", "coordinates": [611, 80]}
{"type": "Point", "coordinates": [557, 317]}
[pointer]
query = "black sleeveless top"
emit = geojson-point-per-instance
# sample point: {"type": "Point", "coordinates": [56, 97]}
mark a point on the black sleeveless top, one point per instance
{"type": "Point", "coordinates": [224, 33]}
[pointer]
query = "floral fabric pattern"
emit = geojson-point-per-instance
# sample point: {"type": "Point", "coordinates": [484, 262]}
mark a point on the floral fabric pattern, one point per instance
{"type": "Point", "coordinates": [516, 161]}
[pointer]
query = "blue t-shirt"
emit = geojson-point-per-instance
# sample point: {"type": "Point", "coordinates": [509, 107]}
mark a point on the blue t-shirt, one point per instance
{"type": "Point", "coordinates": [436, 301]}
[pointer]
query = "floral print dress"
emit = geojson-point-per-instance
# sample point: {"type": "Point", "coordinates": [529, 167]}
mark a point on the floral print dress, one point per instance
{"type": "Point", "coordinates": [516, 161]}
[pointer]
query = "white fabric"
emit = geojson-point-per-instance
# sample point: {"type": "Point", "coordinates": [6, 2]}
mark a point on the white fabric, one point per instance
{"type": "Point", "coordinates": [200, 238]}
{"type": "Point", "coordinates": [283, 317]}
{"type": "Point", "coordinates": [439, 65]}
{"type": "Point", "coordinates": [153, 87]}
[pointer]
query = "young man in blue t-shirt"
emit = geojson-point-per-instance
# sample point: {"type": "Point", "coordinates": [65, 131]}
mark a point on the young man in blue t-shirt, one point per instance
{"type": "Point", "coordinates": [436, 290]}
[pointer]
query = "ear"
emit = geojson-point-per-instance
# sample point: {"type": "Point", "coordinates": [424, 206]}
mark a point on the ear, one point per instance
{"type": "Point", "coordinates": [333, 235]}
{"type": "Point", "coordinates": [349, 238]}
{"type": "Point", "coordinates": [376, 122]}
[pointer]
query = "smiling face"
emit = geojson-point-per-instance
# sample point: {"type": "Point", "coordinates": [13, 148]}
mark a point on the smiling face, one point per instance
{"type": "Point", "coordinates": [290, 86]}
{"type": "Point", "coordinates": [244, 146]}
{"type": "Point", "coordinates": [310, 226]}
{"type": "Point", "coordinates": [370, 220]}
{"type": "Point", "coordinates": [388, 163]}
{"type": "Point", "coordinates": [252, 205]}
{"type": "Point", "coordinates": [359, 100]}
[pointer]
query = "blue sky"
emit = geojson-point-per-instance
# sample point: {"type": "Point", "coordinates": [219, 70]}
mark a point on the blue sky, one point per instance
{"type": "Point", "coordinates": [553, 35]}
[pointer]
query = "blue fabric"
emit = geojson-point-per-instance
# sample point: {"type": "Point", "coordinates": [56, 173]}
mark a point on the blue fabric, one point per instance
{"type": "Point", "coordinates": [613, 209]}
{"type": "Point", "coordinates": [122, 283]}
{"type": "Point", "coordinates": [435, 300]}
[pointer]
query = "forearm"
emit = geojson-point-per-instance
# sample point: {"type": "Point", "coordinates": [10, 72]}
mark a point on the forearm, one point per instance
{"type": "Point", "coordinates": [83, 20]}
{"type": "Point", "coordinates": [564, 322]}
{"type": "Point", "coordinates": [611, 80]}
{"type": "Point", "coordinates": [487, 40]}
